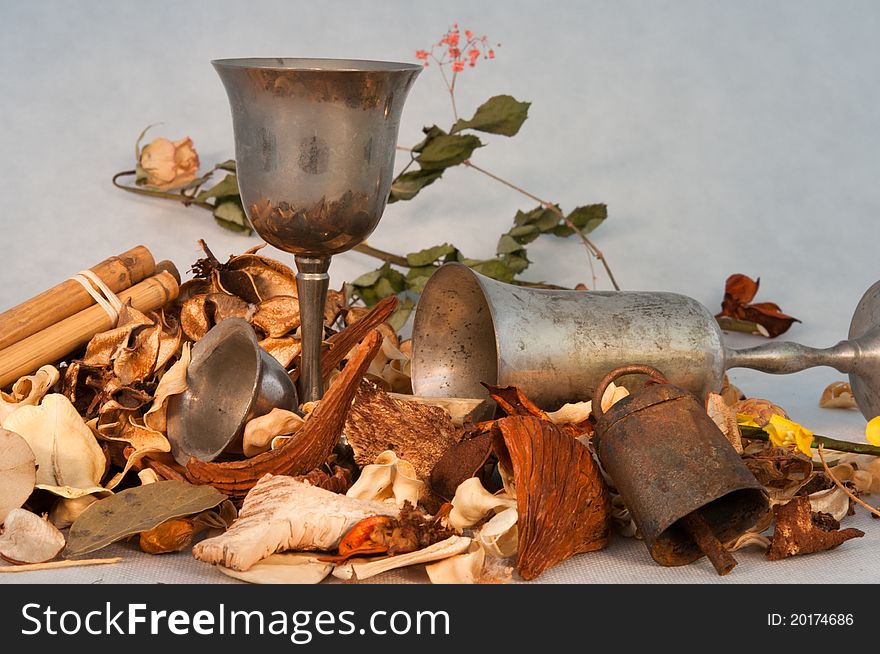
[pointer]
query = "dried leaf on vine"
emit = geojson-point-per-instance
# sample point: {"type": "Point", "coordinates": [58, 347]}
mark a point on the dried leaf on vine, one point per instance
{"type": "Point", "coordinates": [781, 471]}
{"type": "Point", "coordinates": [739, 291]}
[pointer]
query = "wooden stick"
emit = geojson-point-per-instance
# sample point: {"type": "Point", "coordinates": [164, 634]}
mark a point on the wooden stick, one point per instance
{"type": "Point", "coordinates": [69, 297]}
{"type": "Point", "coordinates": [54, 343]}
{"type": "Point", "coordinates": [54, 565]}
{"type": "Point", "coordinates": [708, 543]}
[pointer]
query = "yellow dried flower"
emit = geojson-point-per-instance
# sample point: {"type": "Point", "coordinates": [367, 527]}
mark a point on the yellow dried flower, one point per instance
{"type": "Point", "coordinates": [872, 431]}
{"type": "Point", "coordinates": [787, 433]}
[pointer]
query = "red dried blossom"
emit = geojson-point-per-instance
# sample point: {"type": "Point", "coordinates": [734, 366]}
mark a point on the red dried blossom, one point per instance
{"type": "Point", "coordinates": [457, 66]}
{"type": "Point", "coordinates": [450, 50]}
{"type": "Point", "coordinates": [422, 54]}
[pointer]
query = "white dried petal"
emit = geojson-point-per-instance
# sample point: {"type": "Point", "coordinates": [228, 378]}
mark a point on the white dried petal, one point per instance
{"type": "Point", "coordinates": [472, 503]}
{"type": "Point", "coordinates": [500, 535]}
{"type": "Point", "coordinates": [366, 568]}
{"type": "Point", "coordinates": [464, 568]}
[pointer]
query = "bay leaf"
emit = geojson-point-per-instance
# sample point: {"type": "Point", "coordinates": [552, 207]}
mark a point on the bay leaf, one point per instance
{"type": "Point", "coordinates": [137, 509]}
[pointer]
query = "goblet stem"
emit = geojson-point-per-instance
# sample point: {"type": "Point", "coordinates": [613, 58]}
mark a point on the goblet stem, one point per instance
{"type": "Point", "coordinates": [785, 358]}
{"type": "Point", "coordinates": [312, 282]}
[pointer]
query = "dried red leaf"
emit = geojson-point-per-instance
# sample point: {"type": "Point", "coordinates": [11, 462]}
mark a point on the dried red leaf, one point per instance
{"type": "Point", "coordinates": [461, 461]}
{"type": "Point", "coordinates": [739, 291]}
{"type": "Point", "coordinates": [514, 402]}
{"type": "Point", "coordinates": [563, 504]}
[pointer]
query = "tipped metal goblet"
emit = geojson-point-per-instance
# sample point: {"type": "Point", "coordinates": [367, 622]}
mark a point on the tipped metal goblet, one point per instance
{"type": "Point", "coordinates": [557, 345]}
{"type": "Point", "coordinates": [314, 154]}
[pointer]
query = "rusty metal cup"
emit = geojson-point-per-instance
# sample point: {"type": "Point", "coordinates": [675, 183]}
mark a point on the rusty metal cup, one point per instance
{"type": "Point", "coordinates": [668, 459]}
{"type": "Point", "coordinates": [230, 381]}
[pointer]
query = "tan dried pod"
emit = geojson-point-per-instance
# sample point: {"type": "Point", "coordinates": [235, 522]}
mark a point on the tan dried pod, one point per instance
{"type": "Point", "coordinates": [760, 410]}
{"type": "Point", "coordinates": [464, 568]}
{"type": "Point", "coordinates": [68, 509]}
{"type": "Point", "coordinates": [148, 476]}
{"type": "Point", "coordinates": [862, 480]}
{"type": "Point", "coordinates": [833, 501]}
{"type": "Point", "coordinates": [277, 316]}
{"type": "Point", "coordinates": [389, 479]}
{"type": "Point", "coordinates": [472, 503]}
{"type": "Point", "coordinates": [499, 536]}
{"type": "Point", "coordinates": [260, 432]}
{"type": "Point", "coordinates": [18, 472]}
{"type": "Point", "coordinates": [28, 538]}
{"type": "Point", "coordinates": [28, 391]}
{"type": "Point", "coordinates": [173, 382]}
{"type": "Point", "coordinates": [838, 395]}
{"type": "Point", "coordinates": [285, 349]}
{"type": "Point", "coordinates": [724, 417]}
{"type": "Point", "coordinates": [285, 568]}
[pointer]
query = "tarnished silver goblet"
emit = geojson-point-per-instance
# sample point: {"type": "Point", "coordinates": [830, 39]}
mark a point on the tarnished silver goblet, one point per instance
{"type": "Point", "coordinates": [314, 152]}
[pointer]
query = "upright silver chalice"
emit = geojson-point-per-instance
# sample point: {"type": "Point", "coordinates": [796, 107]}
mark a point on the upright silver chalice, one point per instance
{"type": "Point", "coordinates": [314, 153]}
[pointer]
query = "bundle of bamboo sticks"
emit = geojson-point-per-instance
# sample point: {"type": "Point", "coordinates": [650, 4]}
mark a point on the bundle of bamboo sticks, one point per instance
{"type": "Point", "coordinates": [64, 318]}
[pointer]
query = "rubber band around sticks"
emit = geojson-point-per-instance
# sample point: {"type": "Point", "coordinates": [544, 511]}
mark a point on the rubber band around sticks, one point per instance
{"type": "Point", "coordinates": [102, 294]}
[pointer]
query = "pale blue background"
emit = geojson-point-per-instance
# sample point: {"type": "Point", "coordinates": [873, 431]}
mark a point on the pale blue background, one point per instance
{"type": "Point", "coordinates": [724, 137]}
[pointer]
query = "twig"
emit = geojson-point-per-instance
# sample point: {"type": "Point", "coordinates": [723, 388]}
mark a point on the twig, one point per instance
{"type": "Point", "coordinates": [842, 487]}
{"type": "Point", "coordinates": [818, 441]}
{"type": "Point", "coordinates": [177, 197]}
{"type": "Point", "coordinates": [588, 244]}
{"type": "Point", "coordinates": [53, 565]}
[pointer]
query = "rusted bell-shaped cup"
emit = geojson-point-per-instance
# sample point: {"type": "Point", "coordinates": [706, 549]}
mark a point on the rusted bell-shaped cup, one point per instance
{"type": "Point", "coordinates": [230, 381]}
{"type": "Point", "coordinates": [668, 459]}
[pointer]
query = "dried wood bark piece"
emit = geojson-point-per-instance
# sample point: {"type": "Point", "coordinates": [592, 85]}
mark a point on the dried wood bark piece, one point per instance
{"type": "Point", "coordinates": [308, 449]}
{"type": "Point", "coordinates": [419, 433]}
{"type": "Point", "coordinates": [281, 513]}
{"type": "Point", "coordinates": [562, 501]}
{"type": "Point", "coordinates": [800, 531]}
{"type": "Point", "coordinates": [340, 344]}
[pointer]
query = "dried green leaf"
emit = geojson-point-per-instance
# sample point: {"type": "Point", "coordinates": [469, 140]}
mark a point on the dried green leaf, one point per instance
{"type": "Point", "coordinates": [502, 114]}
{"type": "Point", "coordinates": [398, 319]}
{"type": "Point", "coordinates": [378, 284]}
{"type": "Point", "coordinates": [416, 278]}
{"type": "Point", "coordinates": [137, 509]}
{"type": "Point", "coordinates": [525, 233]}
{"type": "Point", "coordinates": [230, 215]}
{"type": "Point", "coordinates": [227, 187]}
{"type": "Point", "coordinates": [494, 268]}
{"type": "Point", "coordinates": [507, 245]}
{"type": "Point", "coordinates": [407, 185]}
{"type": "Point", "coordinates": [229, 165]}
{"type": "Point", "coordinates": [447, 150]}
{"type": "Point", "coordinates": [586, 219]}
{"type": "Point", "coordinates": [516, 263]}
{"type": "Point", "coordinates": [431, 133]}
{"type": "Point", "coordinates": [541, 217]}
{"type": "Point", "coordinates": [429, 255]}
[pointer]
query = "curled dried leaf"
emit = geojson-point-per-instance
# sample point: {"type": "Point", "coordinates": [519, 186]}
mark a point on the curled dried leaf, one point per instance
{"type": "Point", "coordinates": [285, 350]}
{"type": "Point", "coordinates": [739, 291]}
{"type": "Point", "coordinates": [838, 395]}
{"type": "Point", "coordinates": [781, 471]}
{"type": "Point", "coordinates": [499, 536]}
{"type": "Point", "coordinates": [464, 568]}
{"type": "Point", "coordinates": [463, 460]}
{"type": "Point", "coordinates": [260, 432]}
{"type": "Point", "coordinates": [27, 538]}
{"type": "Point", "coordinates": [18, 472]}
{"type": "Point", "coordinates": [277, 316]}
{"type": "Point", "coordinates": [173, 382]}
{"type": "Point", "coordinates": [28, 391]}
{"type": "Point", "coordinates": [473, 503]}
{"type": "Point", "coordinates": [68, 509]}
{"type": "Point", "coordinates": [365, 568]}
{"type": "Point", "coordinates": [388, 479]}
{"type": "Point", "coordinates": [69, 460]}
{"type": "Point", "coordinates": [833, 501]}
{"type": "Point", "coordinates": [724, 417]}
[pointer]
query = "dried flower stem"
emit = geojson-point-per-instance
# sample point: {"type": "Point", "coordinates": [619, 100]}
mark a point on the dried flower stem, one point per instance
{"type": "Point", "coordinates": [588, 244]}
{"type": "Point", "coordinates": [818, 441]}
{"type": "Point", "coordinates": [842, 487]}
{"type": "Point", "coordinates": [54, 565]}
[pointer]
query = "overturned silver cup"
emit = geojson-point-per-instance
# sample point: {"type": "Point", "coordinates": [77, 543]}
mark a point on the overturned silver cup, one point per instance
{"type": "Point", "coordinates": [230, 381]}
{"type": "Point", "coordinates": [557, 345]}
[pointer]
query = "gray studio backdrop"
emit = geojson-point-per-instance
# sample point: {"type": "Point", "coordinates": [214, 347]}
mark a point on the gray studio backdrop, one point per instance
{"type": "Point", "coordinates": [724, 137]}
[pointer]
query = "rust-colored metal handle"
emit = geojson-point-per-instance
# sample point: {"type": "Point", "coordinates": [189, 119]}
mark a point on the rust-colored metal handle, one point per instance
{"type": "Point", "coordinates": [633, 369]}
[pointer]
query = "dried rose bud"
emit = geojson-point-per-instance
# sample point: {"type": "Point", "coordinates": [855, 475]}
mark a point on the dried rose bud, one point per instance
{"type": "Point", "coordinates": [166, 165]}
{"type": "Point", "coordinates": [171, 536]}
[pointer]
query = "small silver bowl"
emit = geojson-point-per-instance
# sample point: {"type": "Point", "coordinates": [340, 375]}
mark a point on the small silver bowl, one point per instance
{"type": "Point", "coordinates": [230, 381]}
